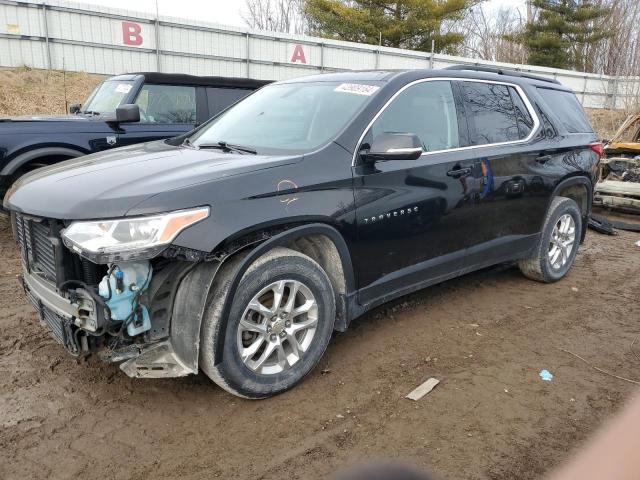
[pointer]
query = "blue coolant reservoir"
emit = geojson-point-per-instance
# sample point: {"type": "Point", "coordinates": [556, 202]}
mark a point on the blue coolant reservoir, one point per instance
{"type": "Point", "coordinates": [121, 289]}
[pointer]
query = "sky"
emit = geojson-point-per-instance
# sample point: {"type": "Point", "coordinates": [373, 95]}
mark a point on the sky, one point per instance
{"type": "Point", "coordinates": [227, 12]}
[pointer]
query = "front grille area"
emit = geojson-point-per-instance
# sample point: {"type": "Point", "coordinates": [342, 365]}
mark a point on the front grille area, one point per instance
{"type": "Point", "coordinates": [37, 246]}
{"type": "Point", "coordinates": [59, 327]}
{"type": "Point", "coordinates": [40, 247]}
{"type": "Point", "coordinates": [56, 325]}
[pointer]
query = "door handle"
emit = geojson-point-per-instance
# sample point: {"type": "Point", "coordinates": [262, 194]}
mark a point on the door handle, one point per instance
{"type": "Point", "coordinates": [459, 172]}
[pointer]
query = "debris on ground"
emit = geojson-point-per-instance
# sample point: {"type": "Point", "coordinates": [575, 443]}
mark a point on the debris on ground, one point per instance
{"type": "Point", "coordinates": [601, 225]}
{"type": "Point", "coordinates": [546, 375]}
{"type": "Point", "coordinates": [618, 185]}
{"type": "Point", "coordinates": [423, 389]}
{"type": "Point", "coordinates": [604, 225]}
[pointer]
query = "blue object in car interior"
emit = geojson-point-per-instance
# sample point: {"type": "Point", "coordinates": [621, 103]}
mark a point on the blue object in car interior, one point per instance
{"type": "Point", "coordinates": [121, 288]}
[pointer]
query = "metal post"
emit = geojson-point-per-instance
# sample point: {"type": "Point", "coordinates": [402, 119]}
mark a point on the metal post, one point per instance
{"type": "Point", "coordinates": [377, 59]}
{"type": "Point", "coordinates": [157, 29]}
{"type": "Point", "coordinates": [584, 90]}
{"type": "Point", "coordinates": [248, 57]}
{"type": "Point", "coordinates": [46, 34]}
{"type": "Point", "coordinates": [322, 57]}
{"type": "Point", "coordinates": [433, 47]}
{"type": "Point", "coordinates": [614, 93]}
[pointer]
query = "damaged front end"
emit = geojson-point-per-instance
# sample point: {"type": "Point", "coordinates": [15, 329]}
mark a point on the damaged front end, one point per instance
{"type": "Point", "coordinates": [119, 307]}
{"type": "Point", "coordinates": [618, 185]}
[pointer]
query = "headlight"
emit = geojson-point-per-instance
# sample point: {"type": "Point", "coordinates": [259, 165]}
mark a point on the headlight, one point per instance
{"type": "Point", "coordinates": [105, 241]}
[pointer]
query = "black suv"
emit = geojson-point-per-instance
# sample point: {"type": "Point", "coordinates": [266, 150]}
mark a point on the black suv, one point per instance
{"type": "Point", "coordinates": [239, 248]}
{"type": "Point", "coordinates": [122, 110]}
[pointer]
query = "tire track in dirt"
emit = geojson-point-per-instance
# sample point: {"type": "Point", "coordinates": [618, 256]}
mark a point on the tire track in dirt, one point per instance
{"type": "Point", "coordinates": [486, 336]}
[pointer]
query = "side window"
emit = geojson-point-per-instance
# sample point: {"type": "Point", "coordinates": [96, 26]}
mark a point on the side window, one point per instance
{"type": "Point", "coordinates": [567, 108]}
{"type": "Point", "coordinates": [523, 117]}
{"type": "Point", "coordinates": [220, 98]}
{"type": "Point", "coordinates": [167, 104]}
{"type": "Point", "coordinates": [490, 113]}
{"type": "Point", "coordinates": [427, 110]}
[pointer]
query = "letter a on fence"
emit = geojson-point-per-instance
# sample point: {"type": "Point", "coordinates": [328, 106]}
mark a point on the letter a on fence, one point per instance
{"type": "Point", "coordinates": [298, 55]}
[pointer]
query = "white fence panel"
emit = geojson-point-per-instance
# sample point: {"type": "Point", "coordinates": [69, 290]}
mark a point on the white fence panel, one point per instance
{"type": "Point", "coordinates": [61, 34]}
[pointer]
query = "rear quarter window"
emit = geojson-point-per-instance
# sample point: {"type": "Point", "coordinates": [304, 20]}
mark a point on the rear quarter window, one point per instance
{"type": "Point", "coordinates": [567, 109]}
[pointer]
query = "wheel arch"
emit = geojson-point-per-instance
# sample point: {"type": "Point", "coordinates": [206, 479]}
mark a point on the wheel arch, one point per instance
{"type": "Point", "coordinates": [21, 160]}
{"type": "Point", "coordinates": [322, 243]}
{"type": "Point", "coordinates": [580, 189]}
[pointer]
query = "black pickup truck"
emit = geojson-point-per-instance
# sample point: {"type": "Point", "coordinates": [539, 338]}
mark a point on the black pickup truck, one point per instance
{"type": "Point", "coordinates": [122, 110]}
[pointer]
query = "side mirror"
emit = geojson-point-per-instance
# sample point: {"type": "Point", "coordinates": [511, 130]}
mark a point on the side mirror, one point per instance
{"type": "Point", "coordinates": [393, 146]}
{"type": "Point", "coordinates": [75, 108]}
{"type": "Point", "coordinates": [128, 113]}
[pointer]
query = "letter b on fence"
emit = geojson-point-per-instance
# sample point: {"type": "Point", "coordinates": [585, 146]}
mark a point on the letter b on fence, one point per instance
{"type": "Point", "coordinates": [131, 34]}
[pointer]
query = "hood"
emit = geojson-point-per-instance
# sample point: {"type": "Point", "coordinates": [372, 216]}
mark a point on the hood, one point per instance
{"type": "Point", "coordinates": [52, 124]}
{"type": "Point", "coordinates": [52, 118]}
{"type": "Point", "coordinates": [110, 184]}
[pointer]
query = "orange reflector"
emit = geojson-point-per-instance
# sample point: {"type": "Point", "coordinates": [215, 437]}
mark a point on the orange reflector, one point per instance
{"type": "Point", "coordinates": [176, 224]}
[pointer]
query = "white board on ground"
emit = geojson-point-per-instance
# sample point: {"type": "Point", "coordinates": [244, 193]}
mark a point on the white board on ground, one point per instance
{"type": "Point", "coordinates": [423, 389]}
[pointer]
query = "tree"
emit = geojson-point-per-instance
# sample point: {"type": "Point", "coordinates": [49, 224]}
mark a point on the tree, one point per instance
{"type": "Point", "coordinates": [411, 24]}
{"type": "Point", "coordinates": [561, 31]}
{"type": "Point", "coordinates": [486, 33]}
{"type": "Point", "coordinates": [275, 15]}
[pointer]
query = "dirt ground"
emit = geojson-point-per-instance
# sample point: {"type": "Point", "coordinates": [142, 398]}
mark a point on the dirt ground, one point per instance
{"type": "Point", "coordinates": [486, 336]}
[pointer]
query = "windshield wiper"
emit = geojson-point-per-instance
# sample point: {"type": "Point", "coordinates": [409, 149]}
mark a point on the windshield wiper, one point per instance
{"type": "Point", "coordinates": [229, 147]}
{"type": "Point", "coordinates": [91, 112]}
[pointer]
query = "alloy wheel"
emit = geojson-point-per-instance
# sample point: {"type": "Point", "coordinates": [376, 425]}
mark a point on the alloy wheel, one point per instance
{"type": "Point", "coordinates": [562, 241]}
{"type": "Point", "coordinates": [277, 327]}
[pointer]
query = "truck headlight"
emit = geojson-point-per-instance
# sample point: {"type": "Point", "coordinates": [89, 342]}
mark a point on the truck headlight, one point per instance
{"type": "Point", "coordinates": [104, 241]}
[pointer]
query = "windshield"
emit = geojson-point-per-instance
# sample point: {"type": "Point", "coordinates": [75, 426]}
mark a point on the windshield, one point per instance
{"type": "Point", "coordinates": [107, 96]}
{"type": "Point", "coordinates": [288, 118]}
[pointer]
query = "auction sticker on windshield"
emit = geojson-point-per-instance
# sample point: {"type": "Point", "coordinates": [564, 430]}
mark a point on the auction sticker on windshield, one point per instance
{"type": "Point", "coordinates": [357, 88]}
{"type": "Point", "coordinates": [123, 88]}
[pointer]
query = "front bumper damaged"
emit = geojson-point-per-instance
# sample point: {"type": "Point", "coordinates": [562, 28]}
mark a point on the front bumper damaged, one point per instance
{"type": "Point", "coordinates": [63, 317]}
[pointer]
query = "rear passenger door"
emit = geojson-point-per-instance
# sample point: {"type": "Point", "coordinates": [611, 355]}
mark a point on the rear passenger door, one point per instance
{"type": "Point", "coordinates": [504, 176]}
{"type": "Point", "coordinates": [165, 111]}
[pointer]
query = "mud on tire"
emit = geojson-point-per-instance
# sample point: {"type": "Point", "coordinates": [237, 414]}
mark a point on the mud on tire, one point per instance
{"type": "Point", "coordinates": [280, 267]}
{"type": "Point", "coordinates": [539, 266]}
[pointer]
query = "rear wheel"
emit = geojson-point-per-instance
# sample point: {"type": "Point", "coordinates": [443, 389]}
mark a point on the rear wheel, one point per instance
{"type": "Point", "coordinates": [558, 245]}
{"type": "Point", "coordinates": [280, 322]}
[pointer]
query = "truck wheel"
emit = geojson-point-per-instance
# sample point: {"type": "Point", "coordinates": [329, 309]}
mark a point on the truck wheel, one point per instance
{"type": "Point", "coordinates": [558, 245]}
{"type": "Point", "coordinates": [280, 322]}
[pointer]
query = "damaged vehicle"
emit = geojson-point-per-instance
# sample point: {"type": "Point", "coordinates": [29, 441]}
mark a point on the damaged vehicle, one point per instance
{"type": "Point", "coordinates": [239, 248]}
{"type": "Point", "coordinates": [618, 185]}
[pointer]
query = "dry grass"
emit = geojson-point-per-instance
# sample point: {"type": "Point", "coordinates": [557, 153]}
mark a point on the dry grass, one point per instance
{"type": "Point", "coordinates": [27, 91]}
{"type": "Point", "coordinates": [606, 122]}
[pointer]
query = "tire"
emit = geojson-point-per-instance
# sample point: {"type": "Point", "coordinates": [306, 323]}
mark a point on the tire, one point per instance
{"type": "Point", "coordinates": [284, 270]}
{"type": "Point", "coordinates": [539, 267]}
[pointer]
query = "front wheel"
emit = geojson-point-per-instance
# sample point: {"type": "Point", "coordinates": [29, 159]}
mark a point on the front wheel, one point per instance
{"type": "Point", "coordinates": [280, 322]}
{"type": "Point", "coordinates": [558, 245]}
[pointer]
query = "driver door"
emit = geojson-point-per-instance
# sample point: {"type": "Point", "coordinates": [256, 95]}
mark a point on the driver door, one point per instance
{"type": "Point", "coordinates": [415, 218]}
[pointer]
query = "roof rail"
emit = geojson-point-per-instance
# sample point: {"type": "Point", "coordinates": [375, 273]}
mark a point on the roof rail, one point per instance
{"type": "Point", "coordinates": [501, 71]}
